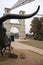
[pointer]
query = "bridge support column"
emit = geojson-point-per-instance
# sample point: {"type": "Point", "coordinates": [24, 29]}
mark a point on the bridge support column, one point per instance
{"type": "Point", "coordinates": [22, 27]}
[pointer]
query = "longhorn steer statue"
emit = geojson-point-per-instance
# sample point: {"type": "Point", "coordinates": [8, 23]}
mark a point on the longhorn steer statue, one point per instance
{"type": "Point", "coordinates": [5, 41]}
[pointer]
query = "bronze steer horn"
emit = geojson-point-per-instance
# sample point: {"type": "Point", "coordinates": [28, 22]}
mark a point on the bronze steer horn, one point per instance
{"type": "Point", "coordinates": [16, 16]}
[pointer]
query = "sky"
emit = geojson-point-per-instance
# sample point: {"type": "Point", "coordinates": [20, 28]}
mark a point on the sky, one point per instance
{"type": "Point", "coordinates": [28, 8]}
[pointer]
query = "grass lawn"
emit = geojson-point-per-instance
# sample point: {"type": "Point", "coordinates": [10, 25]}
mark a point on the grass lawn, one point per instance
{"type": "Point", "coordinates": [34, 43]}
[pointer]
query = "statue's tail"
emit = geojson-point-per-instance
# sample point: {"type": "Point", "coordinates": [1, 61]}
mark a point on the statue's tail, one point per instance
{"type": "Point", "coordinates": [16, 16]}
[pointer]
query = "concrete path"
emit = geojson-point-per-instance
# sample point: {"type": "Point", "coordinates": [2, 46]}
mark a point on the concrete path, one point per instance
{"type": "Point", "coordinates": [18, 45]}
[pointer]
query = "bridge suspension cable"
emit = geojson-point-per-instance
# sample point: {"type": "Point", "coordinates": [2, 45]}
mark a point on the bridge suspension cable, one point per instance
{"type": "Point", "coordinates": [20, 3]}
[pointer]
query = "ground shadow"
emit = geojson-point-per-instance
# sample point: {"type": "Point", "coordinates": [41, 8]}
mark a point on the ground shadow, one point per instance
{"type": "Point", "coordinates": [12, 56]}
{"type": "Point", "coordinates": [4, 57]}
{"type": "Point", "coordinates": [8, 56]}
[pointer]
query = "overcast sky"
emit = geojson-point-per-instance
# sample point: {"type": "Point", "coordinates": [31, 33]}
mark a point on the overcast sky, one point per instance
{"type": "Point", "coordinates": [28, 8]}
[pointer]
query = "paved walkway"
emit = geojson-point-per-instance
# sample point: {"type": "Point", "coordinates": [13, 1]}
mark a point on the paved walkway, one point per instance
{"type": "Point", "coordinates": [18, 45]}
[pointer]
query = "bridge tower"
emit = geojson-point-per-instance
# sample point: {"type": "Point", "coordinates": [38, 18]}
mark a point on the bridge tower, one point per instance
{"type": "Point", "coordinates": [20, 26]}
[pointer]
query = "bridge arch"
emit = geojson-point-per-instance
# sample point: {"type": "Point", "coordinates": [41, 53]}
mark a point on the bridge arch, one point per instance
{"type": "Point", "coordinates": [20, 26]}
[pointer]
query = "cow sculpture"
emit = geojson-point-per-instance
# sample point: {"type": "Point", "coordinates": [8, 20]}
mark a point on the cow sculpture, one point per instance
{"type": "Point", "coordinates": [5, 41]}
